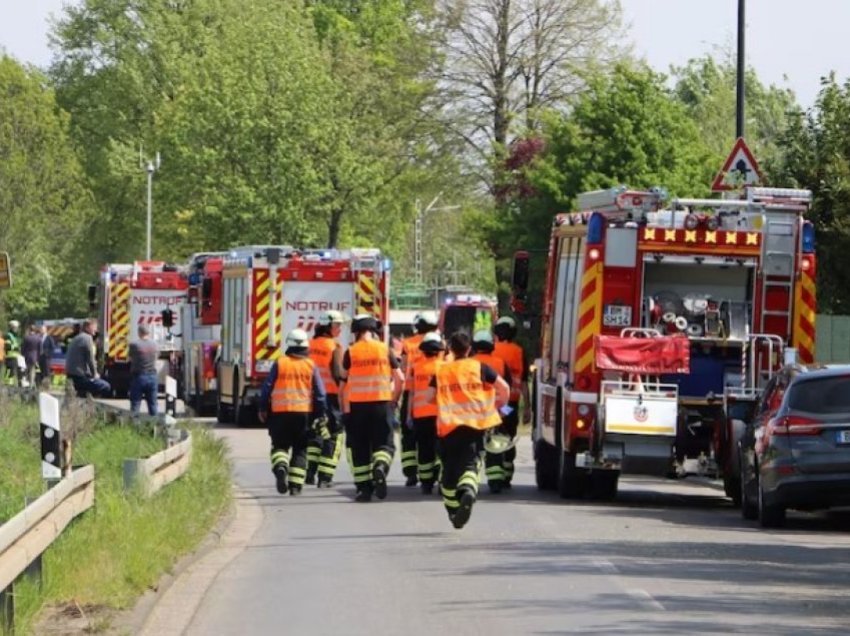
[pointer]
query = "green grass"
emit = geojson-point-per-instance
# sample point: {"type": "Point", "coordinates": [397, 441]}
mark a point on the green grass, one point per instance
{"type": "Point", "coordinates": [121, 547]}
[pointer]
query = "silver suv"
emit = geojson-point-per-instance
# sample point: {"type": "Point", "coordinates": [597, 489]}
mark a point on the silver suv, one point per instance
{"type": "Point", "coordinates": [796, 451]}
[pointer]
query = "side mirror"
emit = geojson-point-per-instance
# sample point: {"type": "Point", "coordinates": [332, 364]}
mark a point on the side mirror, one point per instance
{"type": "Point", "coordinates": [519, 282]}
{"type": "Point", "coordinates": [92, 296]}
{"type": "Point", "coordinates": [167, 318]}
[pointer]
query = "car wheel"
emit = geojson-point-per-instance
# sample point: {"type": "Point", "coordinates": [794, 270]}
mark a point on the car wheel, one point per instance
{"type": "Point", "coordinates": [770, 515]}
{"type": "Point", "coordinates": [749, 509]}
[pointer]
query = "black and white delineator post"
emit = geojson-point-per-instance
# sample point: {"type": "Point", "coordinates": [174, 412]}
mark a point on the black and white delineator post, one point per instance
{"type": "Point", "coordinates": [170, 396]}
{"type": "Point", "coordinates": [51, 440]}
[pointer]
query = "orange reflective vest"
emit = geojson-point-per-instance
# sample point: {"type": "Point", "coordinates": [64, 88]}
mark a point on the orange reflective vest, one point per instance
{"type": "Point", "coordinates": [293, 389]}
{"type": "Point", "coordinates": [423, 373]}
{"type": "Point", "coordinates": [497, 364]}
{"type": "Point", "coordinates": [370, 377]}
{"type": "Point", "coordinates": [322, 352]}
{"type": "Point", "coordinates": [410, 348]}
{"type": "Point", "coordinates": [463, 399]}
{"type": "Point", "coordinates": [512, 354]}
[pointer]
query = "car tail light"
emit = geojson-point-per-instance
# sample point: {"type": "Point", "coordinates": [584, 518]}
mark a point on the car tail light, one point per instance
{"type": "Point", "coordinates": [796, 425]}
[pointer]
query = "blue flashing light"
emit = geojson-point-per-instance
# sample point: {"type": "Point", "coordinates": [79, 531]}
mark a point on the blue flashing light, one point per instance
{"type": "Point", "coordinates": [808, 237]}
{"type": "Point", "coordinates": [595, 228]}
{"type": "Point", "coordinates": [194, 278]}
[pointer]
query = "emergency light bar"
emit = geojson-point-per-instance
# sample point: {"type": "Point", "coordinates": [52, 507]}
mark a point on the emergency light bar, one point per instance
{"type": "Point", "coordinates": [787, 195]}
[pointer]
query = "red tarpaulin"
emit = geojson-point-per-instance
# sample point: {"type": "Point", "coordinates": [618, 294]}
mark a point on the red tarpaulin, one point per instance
{"type": "Point", "coordinates": [663, 354]}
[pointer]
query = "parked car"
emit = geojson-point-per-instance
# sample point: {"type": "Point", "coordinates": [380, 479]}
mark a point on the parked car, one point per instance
{"type": "Point", "coordinates": [795, 453]}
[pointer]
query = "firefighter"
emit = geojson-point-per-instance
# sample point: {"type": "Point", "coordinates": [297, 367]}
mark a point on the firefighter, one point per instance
{"type": "Point", "coordinates": [422, 407]}
{"type": "Point", "coordinates": [423, 323]}
{"type": "Point", "coordinates": [482, 348]}
{"type": "Point", "coordinates": [469, 395]}
{"type": "Point", "coordinates": [372, 383]}
{"type": "Point", "coordinates": [291, 395]}
{"type": "Point", "coordinates": [513, 355]}
{"type": "Point", "coordinates": [326, 352]}
{"type": "Point", "coordinates": [14, 370]}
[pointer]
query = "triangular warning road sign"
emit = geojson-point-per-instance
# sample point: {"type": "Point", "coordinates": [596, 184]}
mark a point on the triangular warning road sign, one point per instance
{"type": "Point", "coordinates": [740, 169]}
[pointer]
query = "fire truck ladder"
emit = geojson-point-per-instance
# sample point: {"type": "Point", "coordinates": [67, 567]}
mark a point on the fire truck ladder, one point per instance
{"type": "Point", "coordinates": [777, 268]}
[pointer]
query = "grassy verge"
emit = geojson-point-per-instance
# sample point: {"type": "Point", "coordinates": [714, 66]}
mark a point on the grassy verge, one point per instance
{"type": "Point", "coordinates": [120, 548]}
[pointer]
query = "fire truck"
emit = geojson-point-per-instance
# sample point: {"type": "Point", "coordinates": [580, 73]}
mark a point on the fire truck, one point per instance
{"type": "Point", "coordinates": [660, 326]}
{"type": "Point", "coordinates": [129, 295]}
{"type": "Point", "coordinates": [201, 332]}
{"type": "Point", "coordinates": [467, 312]}
{"type": "Point", "coordinates": [270, 290]}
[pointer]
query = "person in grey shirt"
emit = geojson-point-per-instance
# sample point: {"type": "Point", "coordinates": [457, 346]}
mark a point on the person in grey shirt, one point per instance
{"type": "Point", "coordinates": [80, 365]}
{"type": "Point", "coordinates": [143, 384]}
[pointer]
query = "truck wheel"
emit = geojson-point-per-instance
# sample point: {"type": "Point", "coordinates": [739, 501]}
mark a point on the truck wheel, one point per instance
{"type": "Point", "coordinates": [572, 481]}
{"type": "Point", "coordinates": [603, 484]}
{"type": "Point", "coordinates": [224, 412]}
{"type": "Point", "coordinates": [770, 515]}
{"type": "Point", "coordinates": [545, 465]}
{"type": "Point", "coordinates": [732, 486]}
{"type": "Point", "coordinates": [246, 416]}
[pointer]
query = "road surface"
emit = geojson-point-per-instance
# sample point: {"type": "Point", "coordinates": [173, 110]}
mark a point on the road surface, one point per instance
{"type": "Point", "coordinates": [665, 558]}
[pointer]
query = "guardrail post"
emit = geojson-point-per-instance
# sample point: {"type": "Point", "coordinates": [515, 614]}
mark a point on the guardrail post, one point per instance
{"type": "Point", "coordinates": [171, 396]}
{"type": "Point", "coordinates": [7, 609]}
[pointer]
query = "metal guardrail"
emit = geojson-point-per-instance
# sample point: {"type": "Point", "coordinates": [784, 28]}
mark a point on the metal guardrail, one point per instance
{"type": "Point", "coordinates": [26, 535]}
{"type": "Point", "coordinates": [152, 473]}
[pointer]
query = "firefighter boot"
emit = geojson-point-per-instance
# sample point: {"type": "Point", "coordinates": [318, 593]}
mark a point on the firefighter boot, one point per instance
{"type": "Point", "coordinates": [281, 479]}
{"type": "Point", "coordinates": [427, 487]}
{"type": "Point", "coordinates": [294, 490]}
{"type": "Point", "coordinates": [364, 493]}
{"type": "Point", "coordinates": [466, 499]}
{"type": "Point", "coordinates": [379, 479]}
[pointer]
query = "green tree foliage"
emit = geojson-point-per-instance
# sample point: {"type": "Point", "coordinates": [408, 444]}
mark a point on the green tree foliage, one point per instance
{"type": "Point", "coordinates": [707, 88]}
{"type": "Point", "coordinates": [44, 204]}
{"type": "Point", "coordinates": [817, 156]}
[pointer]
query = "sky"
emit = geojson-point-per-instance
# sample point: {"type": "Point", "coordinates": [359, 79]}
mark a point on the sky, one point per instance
{"type": "Point", "coordinates": [790, 43]}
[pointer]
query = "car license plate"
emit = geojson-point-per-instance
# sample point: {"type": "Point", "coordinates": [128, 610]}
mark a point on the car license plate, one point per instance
{"type": "Point", "coordinates": [843, 437]}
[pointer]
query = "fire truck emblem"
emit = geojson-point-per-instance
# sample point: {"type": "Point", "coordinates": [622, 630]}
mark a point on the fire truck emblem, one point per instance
{"type": "Point", "coordinates": [641, 413]}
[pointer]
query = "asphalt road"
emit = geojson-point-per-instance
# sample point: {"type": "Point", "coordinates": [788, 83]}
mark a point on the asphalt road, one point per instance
{"type": "Point", "coordinates": [665, 558]}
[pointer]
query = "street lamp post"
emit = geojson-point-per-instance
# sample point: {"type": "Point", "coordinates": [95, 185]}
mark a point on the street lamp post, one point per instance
{"type": "Point", "coordinates": [417, 232]}
{"type": "Point", "coordinates": [150, 167]}
{"type": "Point", "coordinates": [739, 102]}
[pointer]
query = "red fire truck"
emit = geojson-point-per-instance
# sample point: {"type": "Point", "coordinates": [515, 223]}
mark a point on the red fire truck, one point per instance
{"type": "Point", "coordinates": [129, 295]}
{"type": "Point", "coordinates": [201, 331]}
{"type": "Point", "coordinates": [660, 326]}
{"type": "Point", "coordinates": [467, 312]}
{"type": "Point", "coordinates": [270, 290]}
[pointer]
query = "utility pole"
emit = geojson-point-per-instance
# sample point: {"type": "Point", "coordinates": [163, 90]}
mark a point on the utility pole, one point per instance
{"type": "Point", "coordinates": [418, 267]}
{"type": "Point", "coordinates": [150, 166]}
{"type": "Point", "coordinates": [739, 106]}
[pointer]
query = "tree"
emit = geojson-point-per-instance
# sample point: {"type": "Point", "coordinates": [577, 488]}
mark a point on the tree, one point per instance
{"type": "Point", "coordinates": [816, 155]}
{"type": "Point", "coordinates": [43, 197]}
{"type": "Point", "coordinates": [508, 61]}
{"type": "Point", "coordinates": [707, 87]}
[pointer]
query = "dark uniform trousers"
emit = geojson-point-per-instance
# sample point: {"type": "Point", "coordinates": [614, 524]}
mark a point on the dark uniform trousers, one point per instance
{"type": "Point", "coordinates": [370, 439]}
{"type": "Point", "coordinates": [425, 431]}
{"type": "Point", "coordinates": [460, 454]}
{"type": "Point", "coordinates": [331, 447]}
{"type": "Point", "coordinates": [289, 433]}
{"type": "Point", "coordinates": [408, 441]}
{"type": "Point", "coordinates": [500, 466]}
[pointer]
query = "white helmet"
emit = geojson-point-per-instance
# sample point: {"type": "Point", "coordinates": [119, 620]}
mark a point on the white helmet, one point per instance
{"type": "Point", "coordinates": [507, 320]}
{"type": "Point", "coordinates": [429, 318]}
{"type": "Point", "coordinates": [14, 324]}
{"type": "Point", "coordinates": [483, 335]}
{"type": "Point", "coordinates": [497, 442]}
{"type": "Point", "coordinates": [297, 338]}
{"type": "Point", "coordinates": [331, 317]}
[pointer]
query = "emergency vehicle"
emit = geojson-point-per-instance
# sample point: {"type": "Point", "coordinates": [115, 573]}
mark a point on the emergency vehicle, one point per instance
{"type": "Point", "coordinates": [661, 325]}
{"type": "Point", "coordinates": [468, 313]}
{"type": "Point", "coordinates": [270, 290]}
{"type": "Point", "coordinates": [201, 332]}
{"type": "Point", "coordinates": [61, 330]}
{"type": "Point", "coordinates": [131, 295]}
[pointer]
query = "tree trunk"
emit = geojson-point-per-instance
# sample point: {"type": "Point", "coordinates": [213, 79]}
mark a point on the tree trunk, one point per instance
{"type": "Point", "coordinates": [334, 227]}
